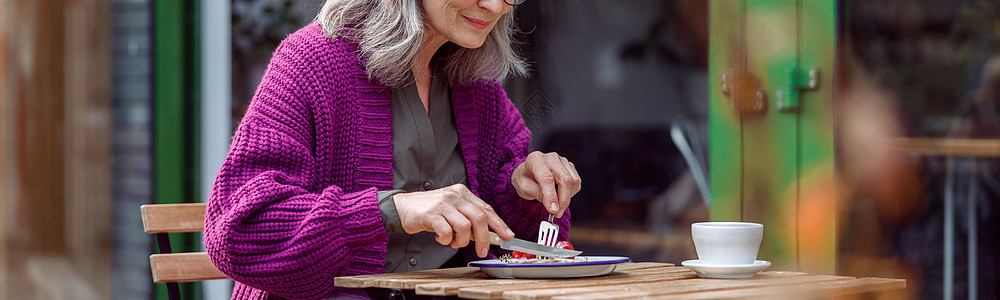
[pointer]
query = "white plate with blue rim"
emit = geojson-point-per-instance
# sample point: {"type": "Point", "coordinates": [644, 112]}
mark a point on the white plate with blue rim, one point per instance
{"type": "Point", "coordinates": [593, 266]}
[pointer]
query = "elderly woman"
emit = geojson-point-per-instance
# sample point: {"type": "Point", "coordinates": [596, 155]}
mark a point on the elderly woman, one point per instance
{"type": "Point", "coordinates": [380, 140]}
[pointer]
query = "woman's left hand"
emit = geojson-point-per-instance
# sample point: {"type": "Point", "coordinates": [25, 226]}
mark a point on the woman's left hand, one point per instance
{"type": "Point", "coordinates": [548, 178]}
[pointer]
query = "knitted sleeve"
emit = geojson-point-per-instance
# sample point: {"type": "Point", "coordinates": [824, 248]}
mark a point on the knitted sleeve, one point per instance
{"type": "Point", "coordinates": [268, 224]}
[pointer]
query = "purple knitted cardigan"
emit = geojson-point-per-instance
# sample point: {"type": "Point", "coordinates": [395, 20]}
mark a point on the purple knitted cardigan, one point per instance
{"type": "Point", "coordinates": [295, 205]}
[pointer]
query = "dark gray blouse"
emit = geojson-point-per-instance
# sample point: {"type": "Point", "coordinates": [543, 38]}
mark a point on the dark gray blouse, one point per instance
{"type": "Point", "coordinates": [426, 156]}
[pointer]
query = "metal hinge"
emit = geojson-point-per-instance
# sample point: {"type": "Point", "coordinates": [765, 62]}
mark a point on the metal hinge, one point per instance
{"type": "Point", "coordinates": [787, 97]}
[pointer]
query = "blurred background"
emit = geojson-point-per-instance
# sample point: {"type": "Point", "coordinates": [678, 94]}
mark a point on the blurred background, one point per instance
{"type": "Point", "coordinates": [863, 134]}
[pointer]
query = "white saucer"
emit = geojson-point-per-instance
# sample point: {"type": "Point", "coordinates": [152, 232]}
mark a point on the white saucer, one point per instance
{"type": "Point", "coordinates": [726, 271]}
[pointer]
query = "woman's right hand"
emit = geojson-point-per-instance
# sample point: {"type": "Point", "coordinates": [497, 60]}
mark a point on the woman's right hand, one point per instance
{"type": "Point", "coordinates": [454, 214]}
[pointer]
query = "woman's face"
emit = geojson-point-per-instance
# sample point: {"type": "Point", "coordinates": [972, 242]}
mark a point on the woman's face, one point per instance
{"type": "Point", "coordinates": [464, 22]}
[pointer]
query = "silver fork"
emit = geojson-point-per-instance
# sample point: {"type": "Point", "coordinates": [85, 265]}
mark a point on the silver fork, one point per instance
{"type": "Point", "coordinates": [548, 232]}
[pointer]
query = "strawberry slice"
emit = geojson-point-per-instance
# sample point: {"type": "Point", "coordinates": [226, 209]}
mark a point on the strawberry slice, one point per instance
{"type": "Point", "coordinates": [521, 255]}
{"type": "Point", "coordinates": [565, 245]}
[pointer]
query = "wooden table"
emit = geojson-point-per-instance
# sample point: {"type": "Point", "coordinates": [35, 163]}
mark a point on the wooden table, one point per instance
{"type": "Point", "coordinates": [630, 280]}
{"type": "Point", "coordinates": [962, 156]}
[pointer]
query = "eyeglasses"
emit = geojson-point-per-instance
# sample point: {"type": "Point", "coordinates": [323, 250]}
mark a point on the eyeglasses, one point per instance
{"type": "Point", "coordinates": [514, 2]}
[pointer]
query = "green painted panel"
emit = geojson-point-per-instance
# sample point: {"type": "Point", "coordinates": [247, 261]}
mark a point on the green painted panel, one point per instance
{"type": "Point", "coordinates": [775, 167]}
{"type": "Point", "coordinates": [168, 105]}
{"type": "Point", "coordinates": [174, 122]}
{"type": "Point", "coordinates": [817, 181]}
{"type": "Point", "coordinates": [723, 122]}
{"type": "Point", "coordinates": [769, 144]}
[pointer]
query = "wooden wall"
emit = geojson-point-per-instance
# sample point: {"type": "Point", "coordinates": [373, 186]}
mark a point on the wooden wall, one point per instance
{"type": "Point", "coordinates": [4, 144]}
{"type": "Point", "coordinates": [57, 117]}
{"type": "Point", "coordinates": [88, 140]}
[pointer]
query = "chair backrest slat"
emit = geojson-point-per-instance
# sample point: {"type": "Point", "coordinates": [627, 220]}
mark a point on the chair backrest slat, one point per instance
{"type": "Point", "coordinates": [170, 218]}
{"type": "Point", "coordinates": [171, 268]}
{"type": "Point", "coordinates": [183, 267]}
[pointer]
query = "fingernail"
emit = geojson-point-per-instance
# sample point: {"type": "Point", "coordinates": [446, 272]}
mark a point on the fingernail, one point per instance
{"type": "Point", "coordinates": [510, 232]}
{"type": "Point", "coordinates": [553, 207]}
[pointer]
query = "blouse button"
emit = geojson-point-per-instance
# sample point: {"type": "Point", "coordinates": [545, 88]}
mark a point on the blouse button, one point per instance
{"type": "Point", "coordinates": [413, 261]}
{"type": "Point", "coordinates": [427, 185]}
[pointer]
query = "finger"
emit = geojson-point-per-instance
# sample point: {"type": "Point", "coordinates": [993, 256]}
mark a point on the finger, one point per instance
{"type": "Point", "coordinates": [461, 225]}
{"type": "Point", "coordinates": [523, 178]}
{"type": "Point", "coordinates": [499, 226]}
{"type": "Point", "coordinates": [547, 184]}
{"type": "Point", "coordinates": [480, 227]}
{"type": "Point", "coordinates": [572, 168]}
{"type": "Point", "coordinates": [440, 227]}
{"type": "Point", "coordinates": [528, 189]}
{"type": "Point", "coordinates": [572, 186]}
{"type": "Point", "coordinates": [487, 217]}
{"type": "Point", "coordinates": [525, 187]}
{"type": "Point", "coordinates": [565, 183]}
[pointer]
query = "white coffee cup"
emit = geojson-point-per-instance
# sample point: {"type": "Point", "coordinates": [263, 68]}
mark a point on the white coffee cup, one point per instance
{"type": "Point", "coordinates": [727, 243]}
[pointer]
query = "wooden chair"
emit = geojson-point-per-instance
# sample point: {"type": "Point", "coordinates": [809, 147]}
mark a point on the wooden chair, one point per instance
{"type": "Point", "coordinates": [171, 268]}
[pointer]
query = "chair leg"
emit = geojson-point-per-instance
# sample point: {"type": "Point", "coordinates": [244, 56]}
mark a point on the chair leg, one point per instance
{"type": "Point", "coordinates": [173, 289]}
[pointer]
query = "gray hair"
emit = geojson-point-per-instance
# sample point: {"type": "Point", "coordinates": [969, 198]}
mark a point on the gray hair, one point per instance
{"type": "Point", "coordinates": [390, 32]}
